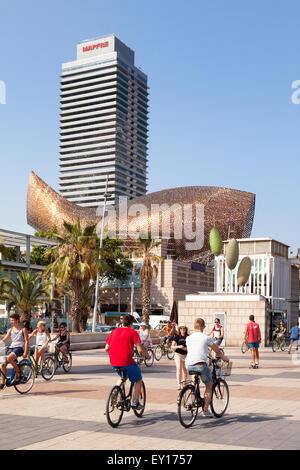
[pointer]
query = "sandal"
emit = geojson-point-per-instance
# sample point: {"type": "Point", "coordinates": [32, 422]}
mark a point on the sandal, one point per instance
{"type": "Point", "coordinates": [2, 386]}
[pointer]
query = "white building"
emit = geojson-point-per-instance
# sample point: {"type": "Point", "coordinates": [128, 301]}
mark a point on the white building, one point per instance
{"type": "Point", "coordinates": [271, 293]}
{"type": "Point", "coordinates": [104, 127]}
{"type": "Point", "coordinates": [271, 275]}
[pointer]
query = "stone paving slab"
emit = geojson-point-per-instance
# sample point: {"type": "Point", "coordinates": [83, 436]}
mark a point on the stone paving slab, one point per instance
{"type": "Point", "coordinates": [68, 412]}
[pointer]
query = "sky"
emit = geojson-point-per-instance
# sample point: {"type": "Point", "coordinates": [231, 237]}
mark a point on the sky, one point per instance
{"type": "Point", "coordinates": [220, 77]}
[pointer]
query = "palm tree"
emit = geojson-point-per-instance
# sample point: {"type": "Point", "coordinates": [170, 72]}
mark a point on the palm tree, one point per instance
{"type": "Point", "coordinates": [148, 271]}
{"type": "Point", "coordinates": [76, 262]}
{"type": "Point", "coordinates": [24, 292]}
{"type": "Point", "coordinates": [86, 301]}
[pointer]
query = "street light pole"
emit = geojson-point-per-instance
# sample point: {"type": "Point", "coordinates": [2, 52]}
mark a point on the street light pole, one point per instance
{"type": "Point", "coordinates": [106, 196]}
{"type": "Point", "coordinates": [52, 277]}
{"type": "Point", "coordinates": [132, 294]}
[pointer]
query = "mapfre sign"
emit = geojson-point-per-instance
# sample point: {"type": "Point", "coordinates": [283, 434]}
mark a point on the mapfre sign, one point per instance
{"type": "Point", "coordinates": [95, 46]}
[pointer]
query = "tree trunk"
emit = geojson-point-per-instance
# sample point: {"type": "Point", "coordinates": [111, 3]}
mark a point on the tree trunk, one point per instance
{"type": "Point", "coordinates": [25, 316]}
{"type": "Point", "coordinates": [146, 292]}
{"type": "Point", "coordinates": [84, 318]}
{"type": "Point", "coordinates": [75, 305]}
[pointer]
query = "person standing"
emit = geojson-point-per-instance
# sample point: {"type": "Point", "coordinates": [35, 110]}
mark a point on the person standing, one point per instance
{"type": "Point", "coordinates": [179, 346]}
{"type": "Point", "coordinates": [295, 335]}
{"type": "Point", "coordinates": [253, 336]}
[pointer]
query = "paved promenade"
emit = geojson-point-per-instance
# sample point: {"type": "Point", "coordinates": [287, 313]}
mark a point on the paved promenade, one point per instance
{"type": "Point", "coordinates": [68, 412]}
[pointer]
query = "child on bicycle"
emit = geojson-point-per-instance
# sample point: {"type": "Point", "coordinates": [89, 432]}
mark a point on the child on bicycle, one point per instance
{"type": "Point", "coordinates": [43, 338]}
{"type": "Point", "coordinates": [63, 344]}
{"type": "Point", "coordinates": [18, 347]}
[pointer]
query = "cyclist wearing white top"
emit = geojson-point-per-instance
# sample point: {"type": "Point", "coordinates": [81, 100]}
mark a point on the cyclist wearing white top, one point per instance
{"type": "Point", "coordinates": [144, 334]}
{"type": "Point", "coordinates": [42, 340]}
{"type": "Point", "coordinates": [197, 352]}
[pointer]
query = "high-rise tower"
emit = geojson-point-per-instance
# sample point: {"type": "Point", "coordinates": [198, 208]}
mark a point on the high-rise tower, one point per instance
{"type": "Point", "coordinates": [104, 124]}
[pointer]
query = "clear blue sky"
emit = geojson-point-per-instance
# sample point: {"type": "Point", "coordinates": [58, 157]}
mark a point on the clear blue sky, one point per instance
{"type": "Point", "coordinates": [220, 76]}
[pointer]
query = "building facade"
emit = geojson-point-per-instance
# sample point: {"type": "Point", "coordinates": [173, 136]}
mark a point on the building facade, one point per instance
{"type": "Point", "coordinates": [174, 281]}
{"type": "Point", "coordinates": [103, 124]}
{"type": "Point", "coordinates": [272, 276]}
{"type": "Point", "coordinates": [271, 293]}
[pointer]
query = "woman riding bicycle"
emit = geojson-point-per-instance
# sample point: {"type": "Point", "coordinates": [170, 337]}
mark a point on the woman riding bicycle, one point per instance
{"type": "Point", "coordinates": [144, 334]}
{"type": "Point", "coordinates": [43, 338]}
{"type": "Point", "coordinates": [280, 331]}
{"type": "Point", "coordinates": [63, 344]}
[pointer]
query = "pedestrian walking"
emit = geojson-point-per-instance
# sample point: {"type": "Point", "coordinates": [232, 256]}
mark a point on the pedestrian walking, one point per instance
{"type": "Point", "coordinates": [179, 346]}
{"type": "Point", "coordinates": [253, 336]}
{"type": "Point", "coordinates": [294, 337]}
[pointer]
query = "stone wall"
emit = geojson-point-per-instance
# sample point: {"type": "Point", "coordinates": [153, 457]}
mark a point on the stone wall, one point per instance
{"type": "Point", "coordinates": [237, 316]}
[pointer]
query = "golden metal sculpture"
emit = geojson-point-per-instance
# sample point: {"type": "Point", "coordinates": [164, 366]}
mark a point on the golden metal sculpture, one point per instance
{"type": "Point", "coordinates": [223, 207]}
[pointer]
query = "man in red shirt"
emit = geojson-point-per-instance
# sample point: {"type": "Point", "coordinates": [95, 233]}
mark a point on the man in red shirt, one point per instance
{"type": "Point", "coordinates": [119, 346]}
{"type": "Point", "coordinates": [253, 336]}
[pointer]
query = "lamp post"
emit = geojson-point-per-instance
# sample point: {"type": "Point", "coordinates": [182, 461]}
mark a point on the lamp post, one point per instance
{"type": "Point", "coordinates": [106, 196]}
{"type": "Point", "coordinates": [132, 294]}
{"type": "Point", "coordinates": [52, 277]}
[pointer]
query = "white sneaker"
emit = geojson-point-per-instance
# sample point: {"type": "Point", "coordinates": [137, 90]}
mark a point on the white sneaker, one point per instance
{"type": "Point", "coordinates": [207, 414]}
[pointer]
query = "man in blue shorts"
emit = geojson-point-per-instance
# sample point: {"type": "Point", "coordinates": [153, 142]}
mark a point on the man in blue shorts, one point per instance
{"type": "Point", "coordinates": [119, 346]}
{"type": "Point", "coordinates": [295, 334]}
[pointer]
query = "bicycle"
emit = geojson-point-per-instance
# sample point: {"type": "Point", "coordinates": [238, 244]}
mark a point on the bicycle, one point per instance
{"type": "Point", "coordinates": [118, 401]}
{"type": "Point", "coordinates": [161, 350]}
{"type": "Point", "coordinates": [27, 377]}
{"type": "Point", "coordinates": [60, 361]}
{"type": "Point", "coordinates": [278, 343]}
{"type": "Point", "coordinates": [139, 359]}
{"type": "Point", "coordinates": [47, 370]}
{"type": "Point", "coordinates": [245, 347]}
{"type": "Point", "coordinates": [190, 399]}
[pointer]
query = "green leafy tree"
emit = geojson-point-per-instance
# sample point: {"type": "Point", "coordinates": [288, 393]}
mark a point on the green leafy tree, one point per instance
{"type": "Point", "coordinates": [24, 292]}
{"type": "Point", "coordinates": [76, 263]}
{"type": "Point", "coordinates": [40, 255]}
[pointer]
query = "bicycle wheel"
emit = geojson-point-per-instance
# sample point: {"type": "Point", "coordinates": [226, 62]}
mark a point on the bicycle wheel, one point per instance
{"type": "Point", "coordinates": [283, 345]}
{"type": "Point", "coordinates": [275, 346]}
{"type": "Point", "coordinates": [27, 379]}
{"type": "Point", "coordinates": [149, 362]}
{"type": "Point", "coordinates": [48, 370]}
{"type": "Point", "coordinates": [114, 406]}
{"type": "Point", "coordinates": [170, 354]}
{"type": "Point", "coordinates": [220, 398]}
{"type": "Point", "coordinates": [67, 366]}
{"type": "Point", "coordinates": [158, 352]}
{"type": "Point", "coordinates": [187, 406]}
{"type": "Point", "coordinates": [142, 400]}
{"type": "Point", "coordinates": [244, 347]}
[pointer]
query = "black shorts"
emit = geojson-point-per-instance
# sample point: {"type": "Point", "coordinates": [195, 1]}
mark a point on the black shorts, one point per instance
{"type": "Point", "coordinates": [59, 345]}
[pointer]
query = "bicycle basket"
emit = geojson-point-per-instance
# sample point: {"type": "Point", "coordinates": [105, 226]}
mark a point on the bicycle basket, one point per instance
{"type": "Point", "coordinates": [225, 370]}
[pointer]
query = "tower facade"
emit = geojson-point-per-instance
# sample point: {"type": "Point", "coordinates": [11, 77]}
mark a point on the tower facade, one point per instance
{"type": "Point", "coordinates": [103, 124]}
